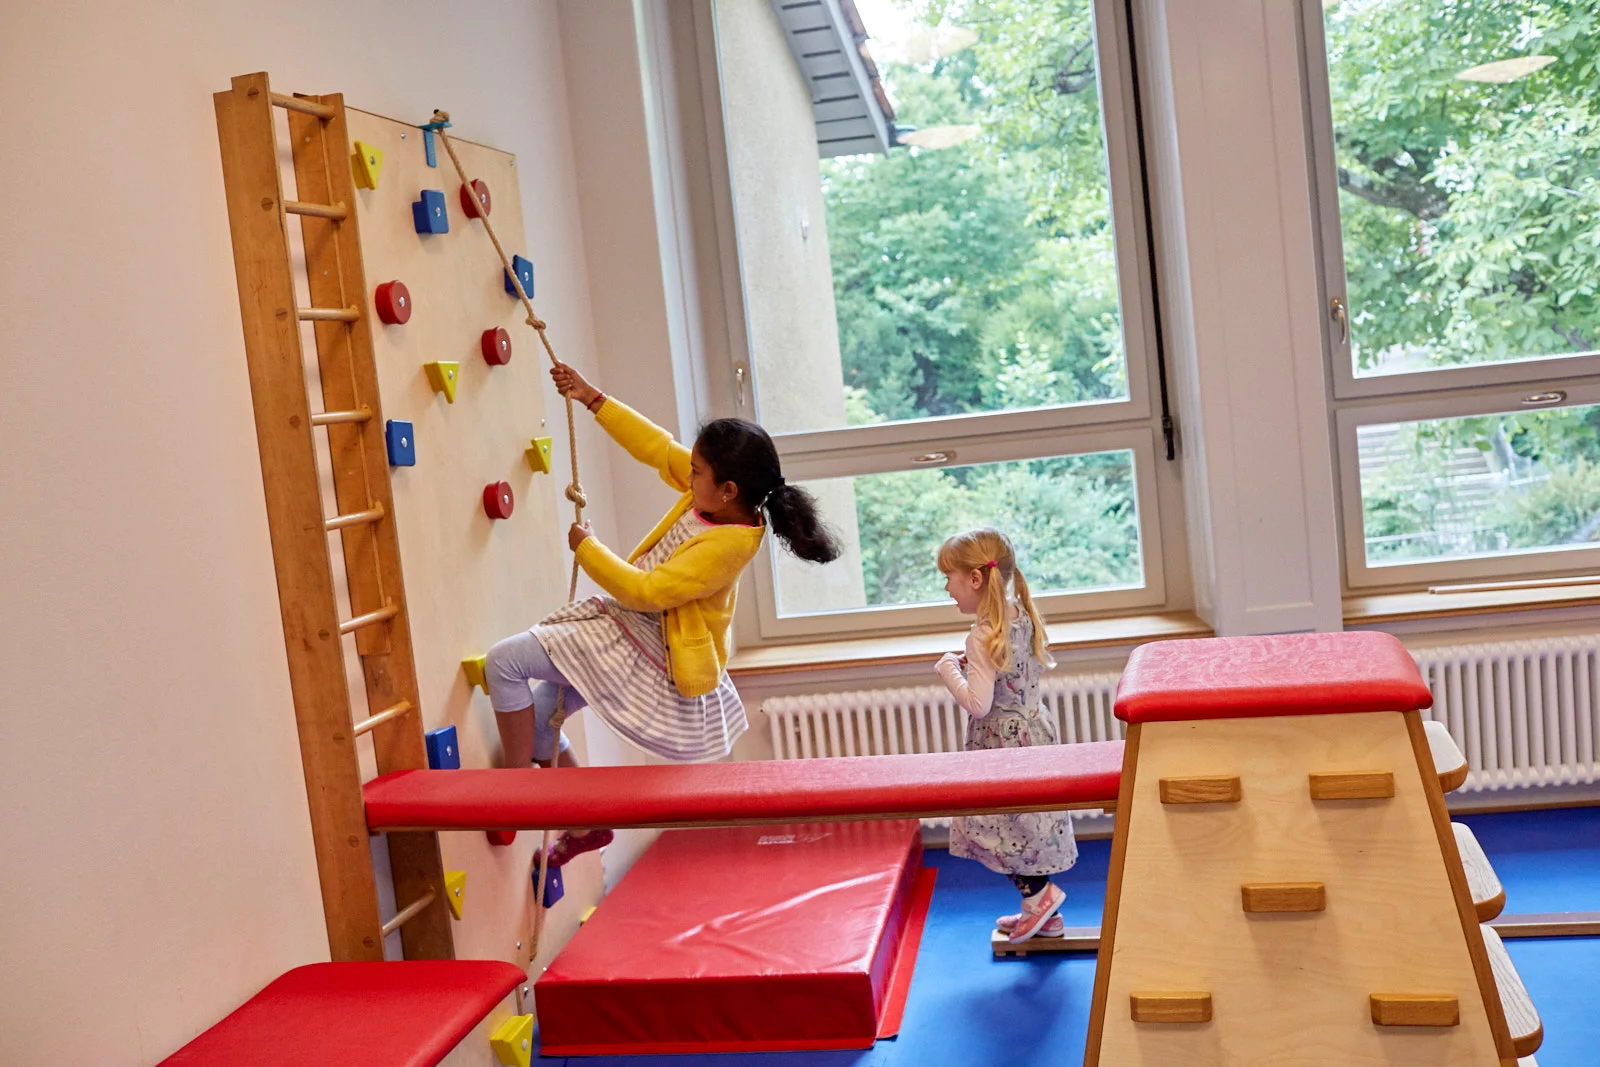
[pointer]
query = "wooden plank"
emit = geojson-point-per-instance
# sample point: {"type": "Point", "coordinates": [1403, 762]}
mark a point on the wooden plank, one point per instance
{"type": "Point", "coordinates": [1214, 789]}
{"type": "Point", "coordinates": [1522, 1018]}
{"type": "Point", "coordinates": [1488, 895]}
{"type": "Point", "coordinates": [916, 648]}
{"type": "Point", "coordinates": [1288, 988]}
{"type": "Point", "coordinates": [1264, 897]}
{"type": "Point", "coordinates": [1169, 1007]}
{"type": "Point", "coordinates": [1072, 939]}
{"type": "Point", "coordinates": [1425, 749]}
{"type": "Point", "coordinates": [1416, 1009]}
{"type": "Point", "coordinates": [1549, 924]}
{"type": "Point", "coordinates": [1099, 1001]}
{"type": "Point", "coordinates": [306, 597]}
{"type": "Point", "coordinates": [360, 460]}
{"type": "Point", "coordinates": [1351, 785]}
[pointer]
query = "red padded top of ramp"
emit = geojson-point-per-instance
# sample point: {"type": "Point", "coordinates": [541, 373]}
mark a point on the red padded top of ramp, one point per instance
{"type": "Point", "coordinates": [760, 791]}
{"type": "Point", "coordinates": [742, 938]}
{"type": "Point", "coordinates": [356, 1015]}
{"type": "Point", "coordinates": [1285, 674]}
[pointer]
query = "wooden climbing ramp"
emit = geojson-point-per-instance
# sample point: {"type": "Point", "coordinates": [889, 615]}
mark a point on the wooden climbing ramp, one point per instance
{"type": "Point", "coordinates": [1286, 885]}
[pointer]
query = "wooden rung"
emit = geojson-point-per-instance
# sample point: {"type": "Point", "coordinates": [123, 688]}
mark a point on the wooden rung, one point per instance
{"type": "Point", "coordinates": [328, 314]}
{"type": "Point", "coordinates": [337, 212]}
{"type": "Point", "coordinates": [371, 617]}
{"type": "Point", "coordinates": [1416, 1009]}
{"type": "Point", "coordinates": [1351, 785]}
{"type": "Point", "coordinates": [1170, 1007]}
{"type": "Point", "coordinates": [355, 518]}
{"type": "Point", "coordinates": [1522, 1018]}
{"type": "Point", "coordinates": [1261, 897]}
{"type": "Point", "coordinates": [1447, 757]}
{"type": "Point", "coordinates": [407, 913]}
{"type": "Point", "coordinates": [382, 717]}
{"type": "Point", "coordinates": [1201, 789]}
{"type": "Point", "coordinates": [328, 418]}
{"type": "Point", "coordinates": [309, 107]}
{"type": "Point", "coordinates": [1488, 895]}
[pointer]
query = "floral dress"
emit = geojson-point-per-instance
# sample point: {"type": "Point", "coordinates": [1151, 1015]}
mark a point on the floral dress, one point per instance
{"type": "Point", "coordinates": [1031, 843]}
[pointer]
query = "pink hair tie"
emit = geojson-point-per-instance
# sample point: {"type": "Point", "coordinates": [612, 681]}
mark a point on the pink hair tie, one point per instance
{"type": "Point", "coordinates": [991, 563]}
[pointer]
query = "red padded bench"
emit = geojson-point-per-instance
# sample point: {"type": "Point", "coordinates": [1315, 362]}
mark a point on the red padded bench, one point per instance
{"type": "Point", "coordinates": [1048, 778]}
{"type": "Point", "coordinates": [356, 1015]}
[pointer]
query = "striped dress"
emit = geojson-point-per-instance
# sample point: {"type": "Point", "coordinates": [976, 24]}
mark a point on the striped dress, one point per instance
{"type": "Point", "coordinates": [617, 659]}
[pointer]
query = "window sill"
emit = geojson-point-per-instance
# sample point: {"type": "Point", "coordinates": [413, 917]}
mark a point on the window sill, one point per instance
{"type": "Point", "coordinates": [917, 648]}
{"type": "Point", "coordinates": [1396, 607]}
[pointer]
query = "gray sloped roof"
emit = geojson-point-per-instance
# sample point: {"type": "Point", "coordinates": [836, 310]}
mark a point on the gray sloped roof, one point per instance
{"type": "Point", "coordinates": [829, 42]}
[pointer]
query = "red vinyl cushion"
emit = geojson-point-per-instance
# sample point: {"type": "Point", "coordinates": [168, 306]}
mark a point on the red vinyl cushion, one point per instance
{"type": "Point", "coordinates": [356, 1015]}
{"type": "Point", "coordinates": [753, 938]}
{"type": "Point", "coordinates": [759, 791]}
{"type": "Point", "coordinates": [1284, 674]}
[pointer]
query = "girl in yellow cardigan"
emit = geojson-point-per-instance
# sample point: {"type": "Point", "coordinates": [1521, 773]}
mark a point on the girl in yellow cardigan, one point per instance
{"type": "Point", "coordinates": [649, 657]}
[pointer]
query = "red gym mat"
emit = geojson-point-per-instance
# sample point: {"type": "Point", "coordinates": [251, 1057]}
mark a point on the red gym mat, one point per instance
{"type": "Point", "coordinates": [1046, 778]}
{"type": "Point", "coordinates": [356, 1015]}
{"type": "Point", "coordinates": [745, 939]}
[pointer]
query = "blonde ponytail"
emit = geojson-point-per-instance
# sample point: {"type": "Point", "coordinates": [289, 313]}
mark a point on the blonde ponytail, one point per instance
{"type": "Point", "coordinates": [1041, 642]}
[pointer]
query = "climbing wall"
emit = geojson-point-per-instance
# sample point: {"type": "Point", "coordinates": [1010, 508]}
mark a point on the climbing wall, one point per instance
{"type": "Point", "coordinates": [464, 411]}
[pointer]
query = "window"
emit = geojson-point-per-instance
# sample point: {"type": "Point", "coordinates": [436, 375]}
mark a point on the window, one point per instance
{"type": "Point", "coordinates": [947, 316]}
{"type": "Point", "coordinates": [1458, 167]}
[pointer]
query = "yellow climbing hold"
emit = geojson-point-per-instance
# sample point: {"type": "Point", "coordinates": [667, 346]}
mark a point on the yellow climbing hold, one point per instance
{"type": "Point", "coordinates": [455, 888]}
{"type": "Point", "coordinates": [443, 378]}
{"type": "Point", "coordinates": [366, 162]}
{"type": "Point", "coordinates": [474, 666]}
{"type": "Point", "coordinates": [512, 1041]}
{"type": "Point", "coordinates": [539, 455]}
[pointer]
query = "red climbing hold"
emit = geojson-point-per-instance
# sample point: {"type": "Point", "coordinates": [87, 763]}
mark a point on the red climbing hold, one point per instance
{"type": "Point", "coordinates": [496, 345]}
{"type": "Point", "coordinates": [469, 203]}
{"type": "Point", "coordinates": [393, 301]}
{"type": "Point", "coordinates": [500, 837]}
{"type": "Point", "coordinates": [497, 500]}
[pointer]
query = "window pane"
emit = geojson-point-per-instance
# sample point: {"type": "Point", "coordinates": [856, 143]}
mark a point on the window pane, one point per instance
{"type": "Point", "coordinates": [1482, 485]}
{"type": "Point", "coordinates": [972, 268]}
{"type": "Point", "coordinates": [1466, 137]}
{"type": "Point", "coordinates": [1073, 519]}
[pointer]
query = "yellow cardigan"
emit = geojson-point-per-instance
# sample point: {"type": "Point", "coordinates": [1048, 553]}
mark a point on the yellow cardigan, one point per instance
{"type": "Point", "coordinates": [697, 585]}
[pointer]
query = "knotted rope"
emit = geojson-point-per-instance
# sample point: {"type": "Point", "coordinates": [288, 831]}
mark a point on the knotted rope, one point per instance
{"type": "Point", "coordinates": [574, 487]}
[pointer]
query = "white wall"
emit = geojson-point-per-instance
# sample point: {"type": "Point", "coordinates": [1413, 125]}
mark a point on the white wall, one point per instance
{"type": "Point", "coordinates": [157, 848]}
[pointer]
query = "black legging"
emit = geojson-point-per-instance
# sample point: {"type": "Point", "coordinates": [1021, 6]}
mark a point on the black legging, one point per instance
{"type": "Point", "coordinates": [1029, 884]}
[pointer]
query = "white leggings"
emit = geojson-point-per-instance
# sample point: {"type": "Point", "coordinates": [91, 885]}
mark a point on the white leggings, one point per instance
{"type": "Point", "coordinates": [514, 664]}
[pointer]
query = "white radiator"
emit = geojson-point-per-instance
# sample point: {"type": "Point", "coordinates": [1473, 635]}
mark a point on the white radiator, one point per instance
{"type": "Point", "coordinates": [1526, 713]}
{"type": "Point", "coordinates": [876, 722]}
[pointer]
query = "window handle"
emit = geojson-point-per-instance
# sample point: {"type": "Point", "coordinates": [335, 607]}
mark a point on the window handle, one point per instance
{"type": "Point", "coordinates": [738, 376]}
{"type": "Point", "coordinates": [1539, 400]}
{"type": "Point", "coordinates": [1340, 314]}
{"type": "Point", "coordinates": [933, 459]}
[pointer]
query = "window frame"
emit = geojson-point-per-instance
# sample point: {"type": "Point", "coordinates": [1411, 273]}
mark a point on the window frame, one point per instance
{"type": "Point", "coordinates": [1131, 422]}
{"type": "Point", "coordinates": [1355, 401]}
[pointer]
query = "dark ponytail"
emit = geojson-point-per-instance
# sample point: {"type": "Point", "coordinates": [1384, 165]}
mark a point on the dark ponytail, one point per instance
{"type": "Point", "coordinates": [741, 452]}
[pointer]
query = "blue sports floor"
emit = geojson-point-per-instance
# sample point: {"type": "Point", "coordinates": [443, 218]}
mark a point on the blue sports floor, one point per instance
{"type": "Point", "coordinates": [967, 1009]}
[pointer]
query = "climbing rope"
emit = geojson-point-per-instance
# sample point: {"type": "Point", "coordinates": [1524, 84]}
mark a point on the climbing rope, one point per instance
{"type": "Point", "coordinates": [574, 487]}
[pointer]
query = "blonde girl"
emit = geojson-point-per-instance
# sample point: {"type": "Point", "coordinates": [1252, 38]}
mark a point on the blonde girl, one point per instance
{"type": "Point", "coordinates": [997, 683]}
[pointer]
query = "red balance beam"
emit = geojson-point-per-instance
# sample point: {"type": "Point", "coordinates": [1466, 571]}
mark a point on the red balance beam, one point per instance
{"type": "Point", "coordinates": [1048, 778]}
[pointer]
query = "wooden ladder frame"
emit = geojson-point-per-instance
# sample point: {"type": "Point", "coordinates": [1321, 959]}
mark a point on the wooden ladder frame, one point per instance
{"type": "Point", "coordinates": [285, 428]}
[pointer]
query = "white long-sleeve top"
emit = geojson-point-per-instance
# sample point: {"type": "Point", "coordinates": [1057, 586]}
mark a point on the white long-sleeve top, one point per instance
{"type": "Point", "coordinates": [974, 689]}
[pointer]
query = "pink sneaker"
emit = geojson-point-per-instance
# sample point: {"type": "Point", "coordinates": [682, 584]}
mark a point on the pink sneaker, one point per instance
{"type": "Point", "coordinates": [1036, 911]}
{"type": "Point", "coordinates": [1054, 928]}
{"type": "Point", "coordinates": [569, 845]}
